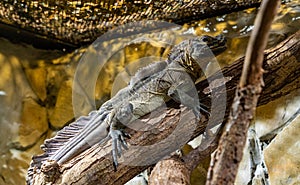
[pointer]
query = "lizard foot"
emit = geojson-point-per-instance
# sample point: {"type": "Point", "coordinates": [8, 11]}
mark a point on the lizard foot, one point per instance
{"type": "Point", "coordinates": [200, 108]}
{"type": "Point", "coordinates": [118, 142]}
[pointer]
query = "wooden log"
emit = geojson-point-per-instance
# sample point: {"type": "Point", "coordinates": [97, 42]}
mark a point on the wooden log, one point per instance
{"type": "Point", "coordinates": [282, 76]}
{"type": "Point", "coordinates": [73, 24]}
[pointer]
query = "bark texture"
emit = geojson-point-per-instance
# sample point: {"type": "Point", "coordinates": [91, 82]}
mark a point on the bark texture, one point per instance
{"type": "Point", "coordinates": [170, 171]}
{"type": "Point", "coordinates": [282, 76]}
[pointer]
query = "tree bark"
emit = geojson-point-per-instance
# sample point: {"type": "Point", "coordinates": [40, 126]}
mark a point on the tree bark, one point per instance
{"type": "Point", "coordinates": [170, 171]}
{"type": "Point", "coordinates": [94, 166]}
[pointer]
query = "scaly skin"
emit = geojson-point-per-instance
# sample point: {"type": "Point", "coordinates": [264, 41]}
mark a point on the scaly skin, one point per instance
{"type": "Point", "coordinates": [149, 89]}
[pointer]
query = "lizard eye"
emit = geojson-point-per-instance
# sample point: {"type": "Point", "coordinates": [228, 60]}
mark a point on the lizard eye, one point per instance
{"type": "Point", "coordinates": [205, 38]}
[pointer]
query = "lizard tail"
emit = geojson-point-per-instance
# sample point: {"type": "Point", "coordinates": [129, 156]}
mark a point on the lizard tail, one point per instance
{"type": "Point", "coordinates": [51, 146]}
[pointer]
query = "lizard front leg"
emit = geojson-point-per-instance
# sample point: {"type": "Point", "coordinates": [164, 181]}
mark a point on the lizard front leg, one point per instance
{"type": "Point", "coordinates": [119, 118]}
{"type": "Point", "coordinates": [183, 93]}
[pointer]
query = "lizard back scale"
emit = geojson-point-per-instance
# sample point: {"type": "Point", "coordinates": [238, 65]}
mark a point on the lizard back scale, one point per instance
{"type": "Point", "coordinates": [169, 79]}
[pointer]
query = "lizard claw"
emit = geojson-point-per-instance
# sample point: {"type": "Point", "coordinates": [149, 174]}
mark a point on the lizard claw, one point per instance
{"type": "Point", "coordinates": [118, 142]}
{"type": "Point", "coordinates": [200, 108]}
{"type": "Point", "coordinates": [204, 108]}
{"type": "Point", "coordinates": [196, 112]}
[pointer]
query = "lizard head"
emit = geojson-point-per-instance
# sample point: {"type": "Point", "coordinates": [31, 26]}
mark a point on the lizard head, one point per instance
{"type": "Point", "coordinates": [195, 54]}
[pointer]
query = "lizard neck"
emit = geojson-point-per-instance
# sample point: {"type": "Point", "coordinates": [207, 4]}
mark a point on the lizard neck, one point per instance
{"type": "Point", "coordinates": [194, 73]}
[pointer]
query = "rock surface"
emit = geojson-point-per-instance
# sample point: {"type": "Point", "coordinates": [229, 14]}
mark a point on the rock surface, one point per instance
{"type": "Point", "coordinates": [63, 110]}
{"type": "Point", "coordinates": [283, 156]}
{"type": "Point", "coordinates": [37, 79]}
{"type": "Point", "coordinates": [33, 123]}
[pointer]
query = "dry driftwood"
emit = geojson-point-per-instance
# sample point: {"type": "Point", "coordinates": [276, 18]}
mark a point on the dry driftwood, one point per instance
{"type": "Point", "coordinates": [282, 76]}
